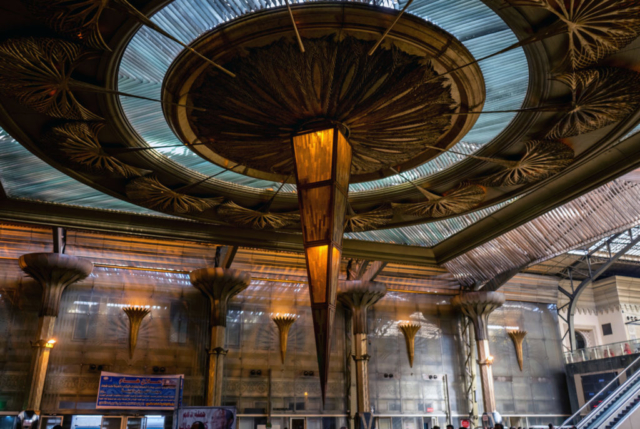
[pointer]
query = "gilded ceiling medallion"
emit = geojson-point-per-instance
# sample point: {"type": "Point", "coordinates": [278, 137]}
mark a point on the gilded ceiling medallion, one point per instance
{"type": "Point", "coordinates": [542, 159]}
{"type": "Point", "coordinates": [596, 28]}
{"type": "Point", "coordinates": [150, 193]}
{"type": "Point", "coordinates": [396, 104]}
{"type": "Point", "coordinates": [237, 215]}
{"type": "Point", "coordinates": [250, 119]}
{"type": "Point", "coordinates": [602, 96]}
{"type": "Point", "coordinates": [454, 202]}
{"type": "Point", "coordinates": [37, 72]}
{"type": "Point", "coordinates": [79, 142]}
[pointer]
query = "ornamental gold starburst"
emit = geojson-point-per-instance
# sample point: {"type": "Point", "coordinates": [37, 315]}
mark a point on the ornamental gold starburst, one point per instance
{"type": "Point", "coordinates": [596, 28]}
{"type": "Point", "coordinates": [79, 142]}
{"type": "Point", "coordinates": [76, 19]}
{"type": "Point", "coordinates": [365, 221]}
{"type": "Point", "coordinates": [541, 159]}
{"type": "Point", "coordinates": [150, 193]}
{"type": "Point", "coordinates": [453, 202]}
{"type": "Point", "coordinates": [602, 96]}
{"type": "Point", "coordinates": [233, 213]}
{"type": "Point", "coordinates": [37, 72]}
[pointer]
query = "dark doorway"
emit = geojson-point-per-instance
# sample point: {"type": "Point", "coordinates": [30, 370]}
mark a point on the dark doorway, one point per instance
{"type": "Point", "coordinates": [581, 342]}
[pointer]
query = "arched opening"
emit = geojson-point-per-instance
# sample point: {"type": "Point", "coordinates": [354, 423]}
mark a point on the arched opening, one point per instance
{"type": "Point", "coordinates": [581, 342]}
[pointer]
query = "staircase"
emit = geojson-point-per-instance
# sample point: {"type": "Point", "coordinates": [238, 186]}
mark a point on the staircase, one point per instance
{"type": "Point", "coordinates": [616, 408]}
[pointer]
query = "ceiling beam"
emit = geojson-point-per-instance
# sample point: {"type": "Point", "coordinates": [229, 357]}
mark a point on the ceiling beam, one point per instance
{"type": "Point", "coordinates": [227, 253]}
{"type": "Point", "coordinates": [114, 222]}
{"type": "Point", "coordinates": [373, 269]}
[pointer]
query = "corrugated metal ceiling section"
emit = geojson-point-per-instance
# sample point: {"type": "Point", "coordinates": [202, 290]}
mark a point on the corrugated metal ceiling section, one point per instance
{"type": "Point", "coordinates": [149, 55]}
{"type": "Point", "coordinates": [600, 213]}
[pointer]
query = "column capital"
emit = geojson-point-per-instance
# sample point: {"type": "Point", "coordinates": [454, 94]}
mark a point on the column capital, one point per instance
{"type": "Point", "coordinates": [54, 272]}
{"type": "Point", "coordinates": [358, 296]}
{"type": "Point", "coordinates": [219, 285]}
{"type": "Point", "coordinates": [477, 306]}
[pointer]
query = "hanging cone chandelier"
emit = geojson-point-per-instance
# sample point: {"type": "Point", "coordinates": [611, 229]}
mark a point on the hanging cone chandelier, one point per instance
{"type": "Point", "coordinates": [323, 110]}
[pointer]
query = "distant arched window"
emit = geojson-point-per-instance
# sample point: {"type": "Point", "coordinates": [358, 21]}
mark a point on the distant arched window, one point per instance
{"type": "Point", "coordinates": [581, 341]}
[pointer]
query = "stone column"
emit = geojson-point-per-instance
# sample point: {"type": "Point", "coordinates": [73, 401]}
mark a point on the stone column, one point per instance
{"type": "Point", "coordinates": [54, 272]}
{"type": "Point", "coordinates": [477, 306]}
{"type": "Point", "coordinates": [219, 285]}
{"type": "Point", "coordinates": [358, 296]}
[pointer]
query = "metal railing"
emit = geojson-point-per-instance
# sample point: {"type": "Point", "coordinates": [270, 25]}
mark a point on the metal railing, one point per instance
{"type": "Point", "coordinates": [569, 421]}
{"type": "Point", "coordinates": [602, 352]}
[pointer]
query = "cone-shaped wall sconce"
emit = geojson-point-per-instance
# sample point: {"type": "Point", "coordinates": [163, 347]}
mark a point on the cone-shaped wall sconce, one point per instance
{"type": "Point", "coordinates": [284, 324]}
{"type": "Point", "coordinates": [410, 330]}
{"type": "Point", "coordinates": [518, 337]}
{"type": "Point", "coordinates": [136, 315]}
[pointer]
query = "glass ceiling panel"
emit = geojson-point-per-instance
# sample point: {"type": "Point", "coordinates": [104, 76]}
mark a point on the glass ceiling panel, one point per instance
{"type": "Point", "coordinates": [149, 55]}
{"type": "Point", "coordinates": [24, 175]}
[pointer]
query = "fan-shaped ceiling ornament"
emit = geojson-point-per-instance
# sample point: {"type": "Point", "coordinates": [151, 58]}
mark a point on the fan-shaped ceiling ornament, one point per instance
{"type": "Point", "coordinates": [77, 20]}
{"type": "Point", "coordinates": [453, 202]}
{"type": "Point", "coordinates": [541, 159]}
{"type": "Point", "coordinates": [367, 221]}
{"type": "Point", "coordinates": [602, 96]}
{"type": "Point", "coordinates": [235, 214]}
{"type": "Point", "coordinates": [37, 71]}
{"type": "Point", "coordinates": [79, 142]}
{"type": "Point", "coordinates": [279, 88]}
{"type": "Point", "coordinates": [150, 193]}
{"type": "Point", "coordinates": [596, 28]}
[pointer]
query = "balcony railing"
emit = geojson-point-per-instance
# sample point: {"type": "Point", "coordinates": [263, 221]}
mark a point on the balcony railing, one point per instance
{"type": "Point", "coordinates": [602, 352]}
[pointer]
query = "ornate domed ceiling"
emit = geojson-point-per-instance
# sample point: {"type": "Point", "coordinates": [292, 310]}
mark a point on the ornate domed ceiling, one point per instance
{"type": "Point", "coordinates": [464, 107]}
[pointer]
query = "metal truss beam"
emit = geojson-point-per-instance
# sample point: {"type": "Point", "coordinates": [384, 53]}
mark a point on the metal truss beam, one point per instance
{"type": "Point", "coordinates": [575, 292]}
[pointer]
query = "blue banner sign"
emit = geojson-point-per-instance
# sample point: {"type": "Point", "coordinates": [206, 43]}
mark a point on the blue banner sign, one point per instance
{"type": "Point", "coordinates": [134, 392]}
